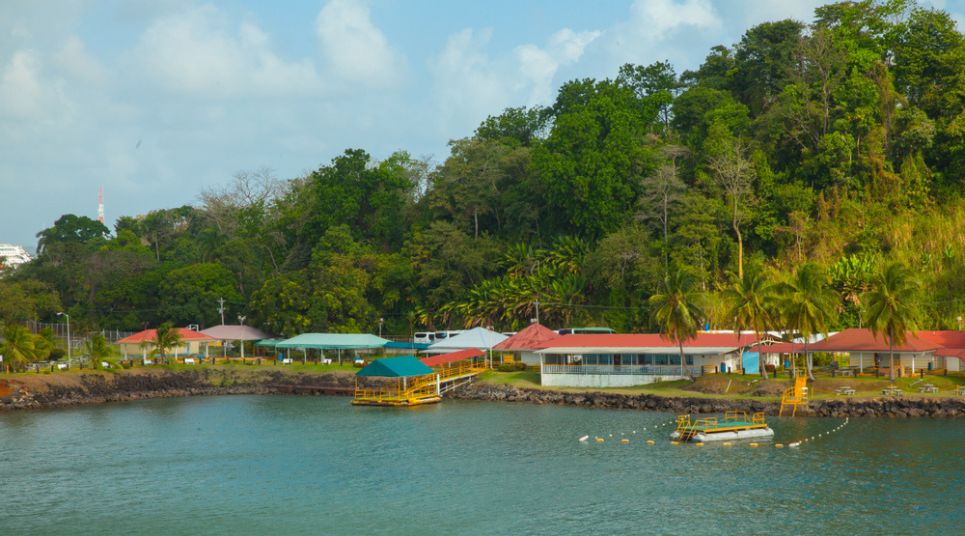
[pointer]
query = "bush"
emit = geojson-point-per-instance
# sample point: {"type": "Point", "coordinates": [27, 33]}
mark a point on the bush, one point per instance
{"type": "Point", "coordinates": [56, 354]}
{"type": "Point", "coordinates": [514, 366]}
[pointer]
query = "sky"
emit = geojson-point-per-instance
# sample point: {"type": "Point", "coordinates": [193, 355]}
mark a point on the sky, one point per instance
{"type": "Point", "coordinates": [158, 101]}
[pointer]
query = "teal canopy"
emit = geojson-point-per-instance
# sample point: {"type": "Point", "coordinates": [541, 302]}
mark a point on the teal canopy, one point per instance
{"type": "Point", "coordinates": [334, 341]}
{"type": "Point", "coordinates": [271, 343]}
{"type": "Point", "coordinates": [395, 367]}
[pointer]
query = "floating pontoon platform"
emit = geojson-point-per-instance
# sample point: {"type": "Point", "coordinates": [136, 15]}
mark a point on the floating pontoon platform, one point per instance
{"type": "Point", "coordinates": [734, 426]}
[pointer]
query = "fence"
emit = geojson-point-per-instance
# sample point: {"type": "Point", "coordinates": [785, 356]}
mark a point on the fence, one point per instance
{"type": "Point", "coordinates": [643, 370]}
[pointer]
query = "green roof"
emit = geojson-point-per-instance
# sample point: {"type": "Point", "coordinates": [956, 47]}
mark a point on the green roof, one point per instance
{"type": "Point", "coordinates": [268, 342]}
{"type": "Point", "coordinates": [396, 367]}
{"type": "Point", "coordinates": [333, 341]}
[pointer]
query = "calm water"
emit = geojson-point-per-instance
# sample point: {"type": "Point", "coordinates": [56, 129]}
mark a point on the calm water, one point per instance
{"type": "Point", "coordinates": [299, 465]}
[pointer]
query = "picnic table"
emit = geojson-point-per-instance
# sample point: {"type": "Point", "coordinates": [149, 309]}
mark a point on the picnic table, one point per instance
{"type": "Point", "coordinates": [845, 391]}
{"type": "Point", "coordinates": [842, 372]}
{"type": "Point", "coordinates": [892, 391]}
{"type": "Point", "coordinates": [961, 391]}
{"type": "Point", "coordinates": [928, 388]}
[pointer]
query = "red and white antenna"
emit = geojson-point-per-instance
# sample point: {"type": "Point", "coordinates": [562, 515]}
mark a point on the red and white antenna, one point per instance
{"type": "Point", "coordinates": [100, 205]}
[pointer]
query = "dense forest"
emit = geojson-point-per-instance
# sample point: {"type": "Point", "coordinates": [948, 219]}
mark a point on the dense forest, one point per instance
{"type": "Point", "coordinates": [839, 143]}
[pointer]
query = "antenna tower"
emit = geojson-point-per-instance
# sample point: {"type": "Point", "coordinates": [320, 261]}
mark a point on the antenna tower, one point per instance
{"type": "Point", "coordinates": [100, 205]}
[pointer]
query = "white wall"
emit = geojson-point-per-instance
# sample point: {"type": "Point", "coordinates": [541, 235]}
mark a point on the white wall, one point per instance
{"type": "Point", "coordinates": [602, 380]}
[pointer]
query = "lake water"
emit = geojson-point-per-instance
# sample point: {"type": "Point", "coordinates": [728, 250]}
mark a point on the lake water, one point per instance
{"type": "Point", "coordinates": [303, 465]}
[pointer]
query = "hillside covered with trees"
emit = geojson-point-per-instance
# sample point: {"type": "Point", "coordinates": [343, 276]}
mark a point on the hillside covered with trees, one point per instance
{"type": "Point", "coordinates": [838, 144]}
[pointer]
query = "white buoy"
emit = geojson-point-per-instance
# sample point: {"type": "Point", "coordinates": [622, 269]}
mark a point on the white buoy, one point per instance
{"type": "Point", "coordinates": [584, 438]}
{"type": "Point", "coordinates": [796, 444]}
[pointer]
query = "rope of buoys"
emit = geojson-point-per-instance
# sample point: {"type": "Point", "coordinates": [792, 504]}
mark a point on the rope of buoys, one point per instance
{"type": "Point", "coordinates": [796, 444]}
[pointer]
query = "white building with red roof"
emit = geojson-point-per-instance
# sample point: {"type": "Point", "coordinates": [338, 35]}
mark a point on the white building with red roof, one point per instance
{"type": "Point", "coordinates": [623, 360]}
{"type": "Point", "coordinates": [142, 342]}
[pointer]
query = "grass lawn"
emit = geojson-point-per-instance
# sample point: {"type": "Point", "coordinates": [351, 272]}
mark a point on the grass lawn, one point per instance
{"type": "Point", "coordinates": [745, 387]}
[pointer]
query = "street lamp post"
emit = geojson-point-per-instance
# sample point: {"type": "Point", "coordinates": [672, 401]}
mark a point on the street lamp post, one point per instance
{"type": "Point", "coordinates": [67, 316]}
{"type": "Point", "coordinates": [381, 321]}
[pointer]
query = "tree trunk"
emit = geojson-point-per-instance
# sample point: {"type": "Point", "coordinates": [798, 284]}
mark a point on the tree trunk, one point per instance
{"type": "Point", "coordinates": [891, 359]}
{"type": "Point", "coordinates": [740, 245]}
{"type": "Point", "coordinates": [761, 366]}
{"type": "Point", "coordinates": [684, 371]}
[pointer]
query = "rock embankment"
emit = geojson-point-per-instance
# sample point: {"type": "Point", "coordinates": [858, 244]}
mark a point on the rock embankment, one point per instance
{"type": "Point", "coordinates": [59, 390]}
{"type": "Point", "coordinates": [888, 407]}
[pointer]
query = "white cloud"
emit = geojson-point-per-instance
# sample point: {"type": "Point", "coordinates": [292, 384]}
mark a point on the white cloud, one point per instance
{"type": "Point", "coordinates": [656, 18]}
{"type": "Point", "coordinates": [23, 93]}
{"type": "Point", "coordinates": [538, 66]}
{"type": "Point", "coordinates": [354, 48]}
{"type": "Point", "coordinates": [74, 61]}
{"type": "Point", "coordinates": [201, 53]}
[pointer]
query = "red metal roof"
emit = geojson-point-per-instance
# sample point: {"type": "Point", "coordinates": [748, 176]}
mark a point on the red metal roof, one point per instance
{"type": "Point", "coordinates": [783, 348]}
{"type": "Point", "coordinates": [647, 340]}
{"type": "Point", "coordinates": [452, 357]}
{"type": "Point", "coordinates": [150, 335]}
{"type": "Point", "coordinates": [952, 342]}
{"type": "Point", "coordinates": [863, 340]}
{"type": "Point", "coordinates": [528, 339]}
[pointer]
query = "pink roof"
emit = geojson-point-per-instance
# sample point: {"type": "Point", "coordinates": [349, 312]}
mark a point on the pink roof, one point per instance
{"type": "Point", "coordinates": [150, 335]}
{"type": "Point", "coordinates": [647, 340]}
{"type": "Point", "coordinates": [529, 338]}
{"type": "Point", "coordinates": [451, 357]}
{"type": "Point", "coordinates": [863, 340]}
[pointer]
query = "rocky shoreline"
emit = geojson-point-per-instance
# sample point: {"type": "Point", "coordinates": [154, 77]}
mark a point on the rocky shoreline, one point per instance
{"type": "Point", "coordinates": [97, 387]}
{"type": "Point", "coordinates": [875, 407]}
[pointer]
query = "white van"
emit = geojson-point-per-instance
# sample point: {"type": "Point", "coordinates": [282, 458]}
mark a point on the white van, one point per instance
{"type": "Point", "coordinates": [424, 337]}
{"type": "Point", "coordinates": [440, 335]}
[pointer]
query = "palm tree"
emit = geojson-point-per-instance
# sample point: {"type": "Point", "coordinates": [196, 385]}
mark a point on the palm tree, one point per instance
{"type": "Point", "coordinates": [892, 307]}
{"type": "Point", "coordinates": [98, 350]}
{"type": "Point", "coordinates": [677, 311]}
{"type": "Point", "coordinates": [18, 346]}
{"type": "Point", "coordinates": [806, 303]}
{"type": "Point", "coordinates": [749, 302]}
{"type": "Point", "coordinates": [166, 337]}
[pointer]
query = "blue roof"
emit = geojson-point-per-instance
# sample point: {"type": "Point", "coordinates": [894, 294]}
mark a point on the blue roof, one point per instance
{"type": "Point", "coordinates": [395, 367]}
{"type": "Point", "coordinates": [393, 345]}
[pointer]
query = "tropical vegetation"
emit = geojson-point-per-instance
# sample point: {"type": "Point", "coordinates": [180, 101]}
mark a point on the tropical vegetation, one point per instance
{"type": "Point", "coordinates": [805, 156]}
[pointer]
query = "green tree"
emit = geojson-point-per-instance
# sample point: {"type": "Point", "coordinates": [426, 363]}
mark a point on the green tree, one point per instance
{"type": "Point", "coordinates": [731, 167]}
{"type": "Point", "coordinates": [807, 303]}
{"type": "Point", "coordinates": [677, 311]}
{"type": "Point", "coordinates": [167, 337]}
{"type": "Point", "coordinates": [189, 295]}
{"type": "Point", "coordinates": [892, 307]}
{"type": "Point", "coordinates": [98, 350]}
{"type": "Point", "coordinates": [750, 304]}
{"type": "Point", "coordinates": [18, 347]}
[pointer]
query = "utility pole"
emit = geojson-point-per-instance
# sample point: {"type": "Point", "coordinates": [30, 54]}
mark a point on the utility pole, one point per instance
{"type": "Point", "coordinates": [221, 309]}
{"type": "Point", "coordinates": [67, 316]}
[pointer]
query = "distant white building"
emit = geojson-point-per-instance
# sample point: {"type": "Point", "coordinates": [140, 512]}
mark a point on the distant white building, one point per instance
{"type": "Point", "coordinates": [12, 255]}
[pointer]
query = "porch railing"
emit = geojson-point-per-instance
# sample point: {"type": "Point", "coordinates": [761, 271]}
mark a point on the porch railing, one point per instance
{"type": "Point", "coordinates": [645, 370]}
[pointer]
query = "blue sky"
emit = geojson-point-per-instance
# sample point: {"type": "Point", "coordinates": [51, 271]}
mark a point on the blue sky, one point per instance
{"type": "Point", "coordinates": [157, 101]}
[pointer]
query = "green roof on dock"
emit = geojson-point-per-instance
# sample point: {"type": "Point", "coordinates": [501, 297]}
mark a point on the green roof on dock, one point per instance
{"type": "Point", "coordinates": [395, 367]}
